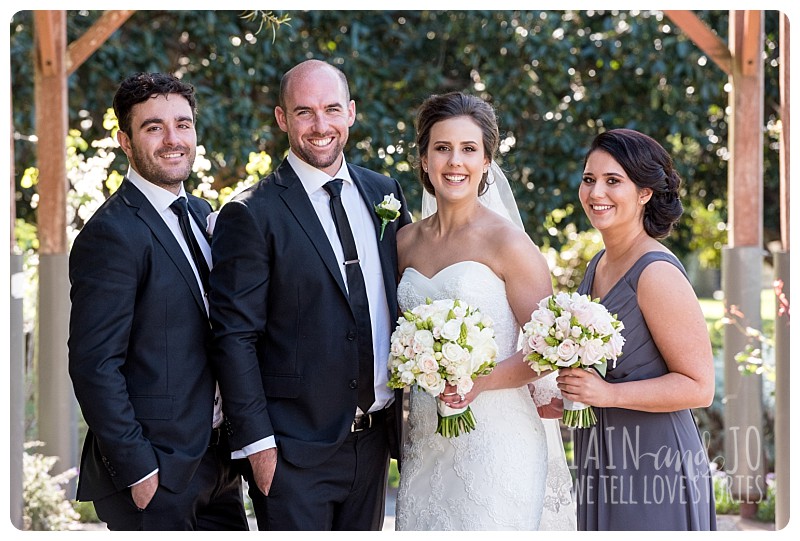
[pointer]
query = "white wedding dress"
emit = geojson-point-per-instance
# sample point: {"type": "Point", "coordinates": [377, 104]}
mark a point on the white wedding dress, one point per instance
{"type": "Point", "coordinates": [495, 477]}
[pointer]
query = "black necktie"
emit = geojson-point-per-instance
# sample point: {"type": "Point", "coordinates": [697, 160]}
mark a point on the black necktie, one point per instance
{"type": "Point", "coordinates": [181, 210]}
{"type": "Point", "coordinates": [358, 296]}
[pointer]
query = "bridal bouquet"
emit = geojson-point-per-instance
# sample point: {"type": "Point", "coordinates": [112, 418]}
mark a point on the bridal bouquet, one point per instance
{"type": "Point", "coordinates": [572, 331]}
{"type": "Point", "coordinates": [441, 342]}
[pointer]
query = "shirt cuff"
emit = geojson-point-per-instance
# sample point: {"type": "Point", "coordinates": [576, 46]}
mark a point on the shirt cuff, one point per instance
{"type": "Point", "coordinates": [146, 477]}
{"type": "Point", "coordinates": [253, 448]}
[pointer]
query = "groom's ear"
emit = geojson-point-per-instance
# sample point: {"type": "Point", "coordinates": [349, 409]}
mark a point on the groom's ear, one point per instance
{"type": "Point", "coordinates": [351, 113]}
{"type": "Point", "coordinates": [280, 116]}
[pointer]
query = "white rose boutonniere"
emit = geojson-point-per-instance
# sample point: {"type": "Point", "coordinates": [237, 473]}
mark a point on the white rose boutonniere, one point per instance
{"type": "Point", "coordinates": [211, 221]}
{"type": "Point", "coordinates": [388, 210]}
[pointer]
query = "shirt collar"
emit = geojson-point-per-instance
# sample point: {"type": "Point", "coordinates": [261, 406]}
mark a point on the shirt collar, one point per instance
{"type": "Point", "coordinates": [312, 178]}
{"type": "Point", "coordinates": [159, 197]}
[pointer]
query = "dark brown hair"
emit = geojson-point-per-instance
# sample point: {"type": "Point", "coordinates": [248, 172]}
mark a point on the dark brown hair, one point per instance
{"type": "Point", "coordinates": [648, 165]}
{"type": "Point", "coordinates": [139, 87]}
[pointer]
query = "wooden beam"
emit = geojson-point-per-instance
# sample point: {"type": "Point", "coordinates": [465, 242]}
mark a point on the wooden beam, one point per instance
{"type": "Point", "coordinates": [46, 27]}
{"type": "Point", "coordinates": [81, 49]}
{"type": "Point", "coordinates": [703, 37]}
{"type": "Point", "coordinates": [752, 39]}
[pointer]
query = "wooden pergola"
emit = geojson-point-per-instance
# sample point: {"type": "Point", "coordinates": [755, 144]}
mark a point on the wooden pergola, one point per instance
{"type": "Point", "coordinates": [740, 59]}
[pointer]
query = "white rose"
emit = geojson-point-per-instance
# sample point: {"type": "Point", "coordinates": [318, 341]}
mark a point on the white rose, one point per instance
{"type": "Point", "coordinates": [563, 300]}
{"type": "Point", "coordinates": [544, 317]}
{"type": "Point", "coordinates": [427, 363]}
{"type": "Point", "coordinates": [593, 352]}
{"type": "Point", "coordinates": [432, 383]}
{"type": "Point", "coordinates": [397, 348]}
{"type": "Point", "coordinates": [464, 384]}
{"type": "Point", "coordinates": [407, 328]}
{"type": "Point", "coordinates": [584, 310]}
{"type": "Point", "coordinates": [567, 350]}
{"type": "Point", "coordinates": [390, 203]}
{"type": "Point", "coordinates": [451, 330]}
{"type": "Point", "coordinates": [423, 340]}
{"type": "Point", "coordinates": [407, 377]}
{"type": "Point", "coordinates": [453, 352]}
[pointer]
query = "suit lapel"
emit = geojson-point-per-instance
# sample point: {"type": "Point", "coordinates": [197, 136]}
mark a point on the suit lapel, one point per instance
{"type": "Point", "coordinates": [372, 194]}
{"type": "Point", "coordinates": [299, 205]}
{"type": "Point", "coordinates": [145, 212]}
{"type": "Point", "coordinates": [196, 212]}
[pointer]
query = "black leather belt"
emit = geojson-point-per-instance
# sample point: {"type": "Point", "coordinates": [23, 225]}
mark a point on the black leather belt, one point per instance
{"type": "Point", "coordinates": [368, 420]}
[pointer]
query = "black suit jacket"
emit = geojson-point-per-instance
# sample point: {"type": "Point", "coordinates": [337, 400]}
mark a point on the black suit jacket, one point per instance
{"type": "Point", "coordinates": [138, 348]}
{"type": "Point", "coordinates": [285, 347]}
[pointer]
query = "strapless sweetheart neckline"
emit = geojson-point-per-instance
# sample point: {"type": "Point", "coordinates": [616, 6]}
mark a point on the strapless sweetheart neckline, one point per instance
{"type": "Point", "coordinates": [451, 267]}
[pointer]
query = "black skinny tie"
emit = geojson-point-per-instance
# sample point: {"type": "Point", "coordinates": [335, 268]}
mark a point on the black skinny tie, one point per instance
{"type": "Point", "coordinates": [358, 296]}
{"type": "Point", "coordinates": [181, 210]}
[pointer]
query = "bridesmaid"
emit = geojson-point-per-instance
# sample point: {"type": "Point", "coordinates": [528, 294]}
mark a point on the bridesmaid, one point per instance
{"type": "Point", "coordinates": [643, 466]}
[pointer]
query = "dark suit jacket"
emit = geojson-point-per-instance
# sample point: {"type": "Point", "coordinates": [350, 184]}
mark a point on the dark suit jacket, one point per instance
{"type": "Point", "coordinates": [285, 335]}
{"type": "Point", "coordinates": [138, 348]}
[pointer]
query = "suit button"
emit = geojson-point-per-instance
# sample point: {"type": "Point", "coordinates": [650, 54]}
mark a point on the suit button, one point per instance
{"type": "Point", "coordinates": [354, 384]}
{"type": "Point", "coordinates": [351, 335]}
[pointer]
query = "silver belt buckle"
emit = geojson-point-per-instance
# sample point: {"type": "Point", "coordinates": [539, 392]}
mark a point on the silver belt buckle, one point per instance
{"type": "Point", "coordinates": [357, 425]}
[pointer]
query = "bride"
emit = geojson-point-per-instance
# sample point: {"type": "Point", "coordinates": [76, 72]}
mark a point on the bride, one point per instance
{"type": "Point", "coordinates": [472, 246]}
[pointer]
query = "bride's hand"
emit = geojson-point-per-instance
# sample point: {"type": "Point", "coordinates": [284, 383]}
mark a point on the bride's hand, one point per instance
{"type": "Point", "coordinates": [451, 397]}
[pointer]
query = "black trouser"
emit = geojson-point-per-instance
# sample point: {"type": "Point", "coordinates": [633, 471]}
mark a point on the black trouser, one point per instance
{"type": "Point", "coordinates": [212, 501]}
{"type": "Point", "coordinates": [346, 492]}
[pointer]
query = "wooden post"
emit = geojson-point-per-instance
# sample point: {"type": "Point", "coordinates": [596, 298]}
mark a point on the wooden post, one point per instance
{"type": "Point", "coordinates": [743, 258]}
{"type": "Point", "coordinates": [56, 404]}
{"type": "Point", "coordinates": [782, 360]}
{"type": "Point", "coordinates": [16, 361]}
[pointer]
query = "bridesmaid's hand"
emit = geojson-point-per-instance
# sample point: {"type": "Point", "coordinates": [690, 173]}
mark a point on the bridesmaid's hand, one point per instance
{"type": "Point", "coordinates": [584, 386]}
{"type": "Point", "coordinates": [553, 410]}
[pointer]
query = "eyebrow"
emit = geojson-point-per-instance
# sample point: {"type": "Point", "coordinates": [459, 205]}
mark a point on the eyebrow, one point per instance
{"type": "Point", "coordinates": [159, 120]}
{"type": "Point", "coordinates": [309, 107]}
{"type": "Point", "coordinates": [460, 142]}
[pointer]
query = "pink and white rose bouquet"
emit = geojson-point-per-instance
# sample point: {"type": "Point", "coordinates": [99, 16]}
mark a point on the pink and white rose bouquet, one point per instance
{"type": "Point", "coordinates": [443, 342]}
{"type": "Point", "coordinates": [573, 331]}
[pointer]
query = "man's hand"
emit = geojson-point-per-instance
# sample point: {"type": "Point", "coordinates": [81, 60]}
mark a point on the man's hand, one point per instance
{"type": "Point", "coordinates": [143, 492]}
{"type": "Point", "coordinates": [263, 464]}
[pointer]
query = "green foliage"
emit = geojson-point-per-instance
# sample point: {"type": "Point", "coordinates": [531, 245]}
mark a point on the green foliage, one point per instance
{"type": "Point", "coordinates": [86, 511]}
{"type": "Point", "coordinates": [724, 501]}
{"type": "Point", "coordinates": [726, 504]}
{"type": "Point", "coordinates": [766, 507]}
{"type": "Point", "coordinates": [709, 231]}
{"type": "Point", "coordinates": [394, 474]}
{"type": "Point", "coordinates": [556, 78]}
{"type": "Point", "coordinates": [45, 504]}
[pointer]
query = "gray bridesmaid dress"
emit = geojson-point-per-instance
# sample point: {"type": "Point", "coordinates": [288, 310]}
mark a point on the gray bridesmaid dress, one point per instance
{"type": "Point", "coordinates": [637, 470]}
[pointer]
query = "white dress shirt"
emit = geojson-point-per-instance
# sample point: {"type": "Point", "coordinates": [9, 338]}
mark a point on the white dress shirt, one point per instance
{"type": "Point", "coordinates": [360, 216]}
